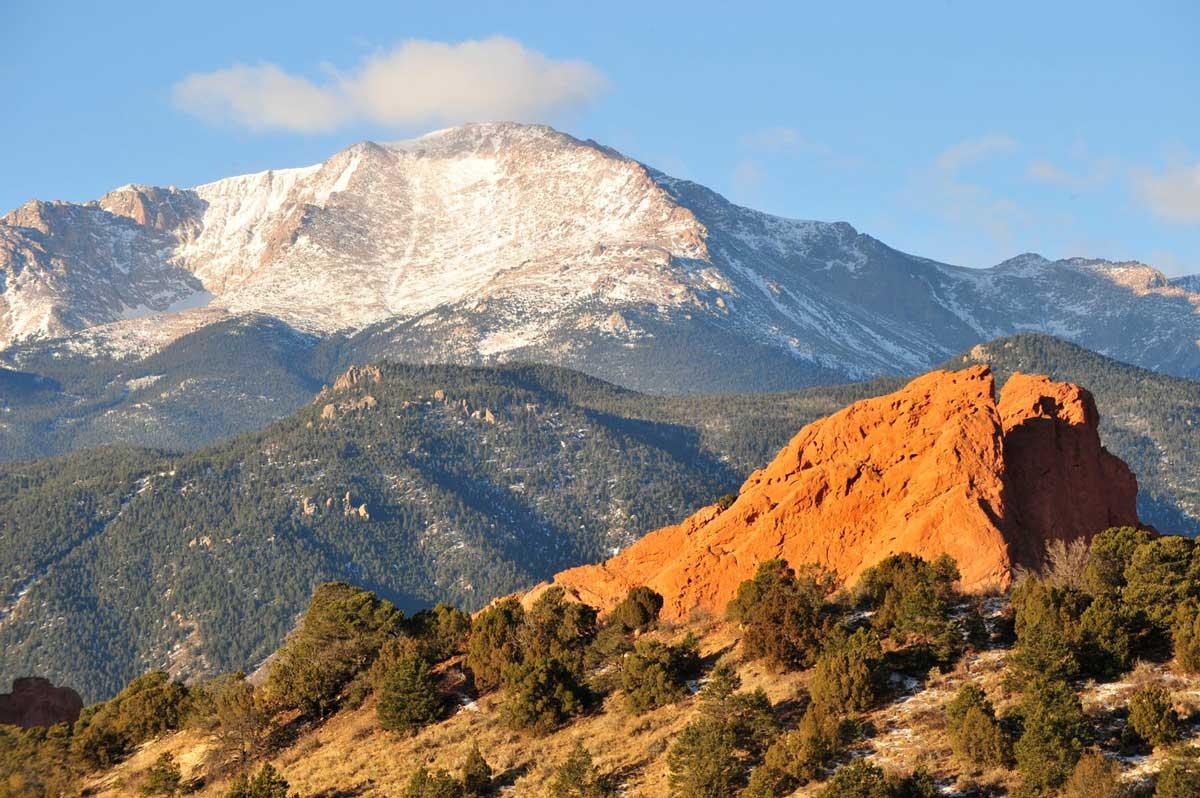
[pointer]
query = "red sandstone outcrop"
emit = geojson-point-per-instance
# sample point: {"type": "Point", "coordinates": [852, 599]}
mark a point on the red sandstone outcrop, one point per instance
{"type": "Point", "coordinates": [36, 702]}
{"type": "Point", "coordinates": [1063, 481]}
{"type": "Point", "coordinates": [938, 467]}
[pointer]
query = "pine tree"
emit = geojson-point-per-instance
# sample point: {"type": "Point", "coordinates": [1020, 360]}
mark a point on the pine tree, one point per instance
{"type": "Point", "coordinates": [425, 783]}
{"type": "Point", "coordinates": [1053, 725]}
{"type": "Point", "coordinates": [797, 757]}
{"type": "Point", "coordinates": [267, 783]}
{"type": "Point", "coordinates": [975, 735]}
{"type": "Point", "coordinates": [1185, 637]}
{"type": "Point", "coordinates": [233, 711]}
{"type": "Point", "coordinates": [847, 673]}
{"type": "Point", "coordinates": [163, 778]}
{"type": "Point", "coordinates": [476, 774]}
{"type": "Point", "coordinates": [577, 777]}
{"type": "Point", "coordinates": [858, 779]}
{"type": "Point", "coordinates": [1152, 716]}
{"type": "Point", "coordinates": [639, 609]}
{"type": "Point", "coordinates": [734, 729]}
{"type": "Point", "coordinates": [541, 694]}
{"type": "Point", "coordinates": [408, 697]}
{"type": "Point", "coordinates": [492, 645]}
{"type": "Point", "coordinates": [783, 614]}
{"type": "Point", "coordinates": [703, 762]}
{"type": "Point", "coordinates": [1179, 778]}
{"type": "Point", "coordinates": [1095, 776]}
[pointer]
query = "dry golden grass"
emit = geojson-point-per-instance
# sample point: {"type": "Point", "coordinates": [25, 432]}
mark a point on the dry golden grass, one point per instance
{"type": "Point", "coordinates": [188, 747]}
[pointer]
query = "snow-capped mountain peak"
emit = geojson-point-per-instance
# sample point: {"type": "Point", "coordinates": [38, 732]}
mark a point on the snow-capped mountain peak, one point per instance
{"type": "Point", "coordinates": [502, 240]}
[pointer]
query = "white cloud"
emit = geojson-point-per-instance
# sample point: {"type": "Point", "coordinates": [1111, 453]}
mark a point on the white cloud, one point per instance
{"type": "Point", "coordinates": [1046, 172]}
{"type": "Point", "coordinates": [790, 141]}
{"type": "Point", "coordinates": [776, 139]}
{"type": "Point", "coordinates": [994, 222]}
{"type": "Point", "coordinates": [260, 97]}
{"type": "Point", "coordinates": [1088, 172]}
{"type": "Point", "coordinates": [969, 151]}
{"type": "Point", "coordinates": [1173, 195]}
{"type": "Point", "coordinates": [416, 83]}
{"type": "Point", "coordinates": [748, 175]}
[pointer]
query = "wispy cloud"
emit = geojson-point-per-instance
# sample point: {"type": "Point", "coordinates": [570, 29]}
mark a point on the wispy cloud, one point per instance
{"type": "Point", "coordinates": [967, 205]}
{"type": "Point", "coordinates": [1087, 172]}
{"type": "Point", "coordinates": [789, 140]}
{"type": "Point", "coordinates": [415, 83]}
{"type": "Point", "coordinates": [968, 151]}
{"type": "Point", "coordinates": [748, 175]}
{"type": "Point", "coordinates": [1172, 195]}
{"type": "Point", "coordinates": [778, 139]}
{"type": "Point", "coordinates": [1045, 172]}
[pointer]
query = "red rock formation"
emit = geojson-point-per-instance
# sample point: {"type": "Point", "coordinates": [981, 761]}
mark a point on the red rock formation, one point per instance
{"type": "Point", "coordinates": [935, 468]}
{"type": "Point", "coordinates": [1063, 481]}
{"type": "Point", "coordinates": [36, 702]}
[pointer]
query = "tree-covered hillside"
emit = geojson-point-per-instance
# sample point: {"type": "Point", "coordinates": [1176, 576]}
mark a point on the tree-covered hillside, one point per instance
{"type": "Point", "coordinates": [227, 378]}
{"type": "Point", "coordinates": [115, 560]}
{"type": "Point", "coordinates": [434, 483]}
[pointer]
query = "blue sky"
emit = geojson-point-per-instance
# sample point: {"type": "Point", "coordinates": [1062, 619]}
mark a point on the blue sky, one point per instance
{"type": "Point", "coordinates": [966, 132]}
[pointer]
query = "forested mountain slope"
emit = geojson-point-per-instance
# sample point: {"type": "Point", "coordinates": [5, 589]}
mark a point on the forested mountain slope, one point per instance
{"type": "Point", "coordinates": [232, 376]}
{"type": "Point", "coordinates": [152, 553]}
{"type": "Point", "coordinates": [425, 483]}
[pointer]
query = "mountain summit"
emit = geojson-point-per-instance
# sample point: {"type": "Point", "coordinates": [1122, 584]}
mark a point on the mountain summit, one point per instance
{"type": "Point", "coordinates": [516, 242]}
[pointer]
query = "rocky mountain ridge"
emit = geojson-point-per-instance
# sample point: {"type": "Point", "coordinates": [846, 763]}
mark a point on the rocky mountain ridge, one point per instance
{"type": "Point", "coordinates": [499, 242]}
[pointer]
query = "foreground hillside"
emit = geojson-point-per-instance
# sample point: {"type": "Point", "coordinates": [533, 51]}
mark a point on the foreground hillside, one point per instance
{"type": "Point", "coordinates": [460, 509]}
{"type": "Point", "coordinates": [897, 688]}
{"type": "Point", "coordinates": [922, 594]}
